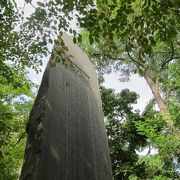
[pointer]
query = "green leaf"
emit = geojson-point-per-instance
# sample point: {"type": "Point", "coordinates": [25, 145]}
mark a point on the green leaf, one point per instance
{"type": "Point", "coordinates": [53, 27]}
{"type": "Point", "coordinates": [74, 32]}
{"type": "Point", "coordinates": [40, 4]}
{"type": "Point", "coordinates": [91, 39]}
{"type": "Point", "coordinates": [94, 11]}
{"type": "Point", "coordinates": [50, 41]}
{"type": "Point", "coordinates": [74, 40]}
{"type": "Point", "coordinates": [70, 30]}
{"type": "Point", "coordinates": [80, 38]}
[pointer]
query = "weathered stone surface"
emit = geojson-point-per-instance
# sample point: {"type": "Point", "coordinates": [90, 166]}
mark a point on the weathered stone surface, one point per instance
{"type": "Point", "coordinates": [66, 133]}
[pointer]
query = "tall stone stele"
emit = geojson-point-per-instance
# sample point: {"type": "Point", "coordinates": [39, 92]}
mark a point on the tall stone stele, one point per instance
{"type": "Point", "coordinates": [66, 132]}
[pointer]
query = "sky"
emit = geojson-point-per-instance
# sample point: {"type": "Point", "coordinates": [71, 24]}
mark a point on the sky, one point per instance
{"type": "Point", "coordinates": [136, 83]}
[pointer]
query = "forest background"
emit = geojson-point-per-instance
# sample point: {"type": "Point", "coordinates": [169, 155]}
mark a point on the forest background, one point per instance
{"type": "Point", "coordinates": [129, 37]}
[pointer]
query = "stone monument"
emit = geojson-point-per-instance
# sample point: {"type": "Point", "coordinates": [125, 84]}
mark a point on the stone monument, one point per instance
{"type": "Point", "coordinates": [66, 133]}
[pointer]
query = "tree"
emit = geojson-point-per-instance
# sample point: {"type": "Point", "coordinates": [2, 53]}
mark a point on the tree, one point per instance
{"type": "Point", "coordinates": [15, 103]}
{"type": "Point", "coordinates": [130, 132]}
{"type": "Point", "coordinates": [164, 163]}
{"type": "Point", "coordinates": [25, 39]}
{"type": "Point", "coordinates": [141, 34]}
{"type": "Point", "coordinates": [122, 133]}
{"type": "Point", "coordinates": [15, 93]}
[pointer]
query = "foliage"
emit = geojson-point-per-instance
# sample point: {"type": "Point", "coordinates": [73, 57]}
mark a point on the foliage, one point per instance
{"type": "Point", "coordinates": [136, 22]}
{"type": "Point", "coordinates": [141, 33]}
{"type": "Point", "coordinates": [165, 163]}
{"type": "Point", "coordinates": [130, 133]}
{"type": "Point", "coordinates": [25, 39]}
{"type": "Point", "coordinates": [15, 103]}
{"type": "Point", "coordinates": [122, 133]}
{"type": "Point", "coordinates": [117, 105]}
{"type": "Point", "coordinates": [134, 27]}
{"type": "Point", "coordinates": [133, 36]}
{"type": "Point", "coordinates": [171, 82]}
{"type": "Point", "coordinates": [137, 36]}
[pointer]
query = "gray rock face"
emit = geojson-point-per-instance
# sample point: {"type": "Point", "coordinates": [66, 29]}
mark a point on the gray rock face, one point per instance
{"type": "Point", "coordinates": [66, 132]}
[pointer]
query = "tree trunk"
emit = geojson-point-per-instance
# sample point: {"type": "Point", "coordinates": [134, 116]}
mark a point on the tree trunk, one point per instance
{"type": "Point", "coordinates": [160, 101]}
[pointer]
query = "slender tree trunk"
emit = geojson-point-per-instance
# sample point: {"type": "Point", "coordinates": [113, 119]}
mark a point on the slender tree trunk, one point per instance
{"type": "Point", "coordinates": [160, 101]}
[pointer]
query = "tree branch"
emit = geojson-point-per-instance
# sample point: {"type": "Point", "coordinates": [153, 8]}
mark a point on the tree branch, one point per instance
{"type": "Point", "coordinates": [20, 138]}
{"type": "Point", "coordinates": [15, 4]}
{"type": "Point", "coordinates": [167, 60]}
{"type": "Point", "coordinates": [178, 42]}
{"type": "Point", "coordinates": [107, 55]}
{"type": "Point", "coordinates": [32, 5]}
{"type": "Point", "coordinates": [149, 151]}
{"type": "Point", "coordinates": [136, 62]}
{"type": "Point", "coordinates": [172, 47]}
{"type": "Point", "coordinates": [166, 6]}
{"type": "Point", "coordinates": [132, 59]}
